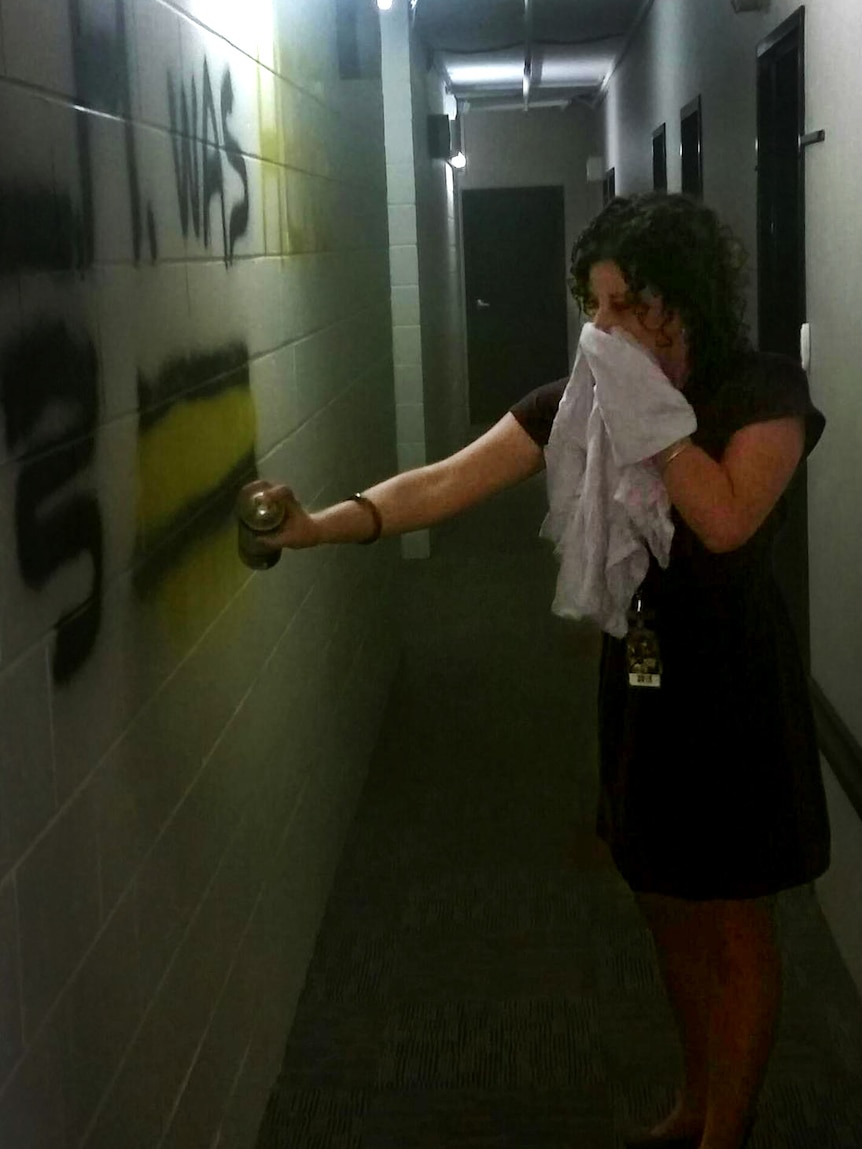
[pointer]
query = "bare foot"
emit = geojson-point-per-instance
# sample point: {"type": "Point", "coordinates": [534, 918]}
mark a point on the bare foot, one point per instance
{"type": "Point", "coordinates": [684, 1120]}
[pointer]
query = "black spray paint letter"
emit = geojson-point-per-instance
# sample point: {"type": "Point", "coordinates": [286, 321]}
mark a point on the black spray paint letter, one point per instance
{"type": "Point", "coordinates": [47, 370]}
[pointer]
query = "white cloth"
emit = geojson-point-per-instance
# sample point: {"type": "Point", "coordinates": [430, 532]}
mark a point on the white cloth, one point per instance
{"type": "Point", "coordinates": [607, 502]}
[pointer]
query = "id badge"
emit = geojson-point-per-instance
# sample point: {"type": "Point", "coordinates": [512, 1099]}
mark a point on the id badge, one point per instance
{"type": "Point", "coordinates": [643, 656]}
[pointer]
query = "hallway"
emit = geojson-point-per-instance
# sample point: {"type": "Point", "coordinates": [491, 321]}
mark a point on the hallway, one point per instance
{"type": "Point", "coordinates": [482, 979]}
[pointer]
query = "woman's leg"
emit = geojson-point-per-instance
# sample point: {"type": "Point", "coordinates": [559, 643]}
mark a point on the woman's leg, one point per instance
{"type": "Point", "coordinates": [745, 1014]}
{"type": "Point", "coordinates": [685, 945]}
{"type": "Point", "coordinates": [722, 968]}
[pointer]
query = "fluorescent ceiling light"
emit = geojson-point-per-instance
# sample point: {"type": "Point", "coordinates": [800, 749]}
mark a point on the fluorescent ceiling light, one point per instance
{"type": "Point", "coordinates": [468, 71]}
{"type": "Point", "coordinates": [483, 104]}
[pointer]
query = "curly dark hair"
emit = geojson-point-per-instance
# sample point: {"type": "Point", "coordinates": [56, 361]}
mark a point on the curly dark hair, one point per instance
{"type": "Point", "coordinates": [678, 248]}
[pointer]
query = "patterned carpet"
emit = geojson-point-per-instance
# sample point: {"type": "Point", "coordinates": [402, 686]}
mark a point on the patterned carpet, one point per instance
{"type": "Point", "coordinates": [482, 979]}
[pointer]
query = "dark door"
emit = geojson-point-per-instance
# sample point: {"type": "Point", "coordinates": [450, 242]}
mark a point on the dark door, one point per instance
{"type": "Point", "coordinates": [781, 264]}
{"type": "Point", "coordinates": [609, 186]}
{"type": "Point", "coordinates": [659, 158]}
{"type": "Point", "coordinates": [691, 148]}
{"type": "Point", "coordinates": [515, 279]}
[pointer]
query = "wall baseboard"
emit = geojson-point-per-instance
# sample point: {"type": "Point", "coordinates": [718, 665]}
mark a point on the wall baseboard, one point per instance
{"type": "Point", "coordinates": [838, 746]}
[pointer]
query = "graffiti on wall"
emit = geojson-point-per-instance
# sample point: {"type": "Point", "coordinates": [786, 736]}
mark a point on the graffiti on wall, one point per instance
{"type": "Point", "coordinates": [196, 431]}
{"type": "Point", "coordinates": [49, 368]}
{"type": "Point", "coordinates": [202, 142]}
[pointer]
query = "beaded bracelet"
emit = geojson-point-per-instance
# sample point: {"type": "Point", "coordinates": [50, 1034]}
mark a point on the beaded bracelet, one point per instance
{"type": "Point", "coordinates": [364, 501]}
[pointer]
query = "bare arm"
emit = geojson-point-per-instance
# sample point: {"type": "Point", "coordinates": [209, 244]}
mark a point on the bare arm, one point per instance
{"type": "Point", "coordinates": [724, 503]}
{"type": "Point", "coordinates": [422, 497]}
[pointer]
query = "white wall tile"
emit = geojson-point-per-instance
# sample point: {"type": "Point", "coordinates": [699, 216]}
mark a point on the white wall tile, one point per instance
{"type": "Point", "coordinates": [133, 654]}
{"type": "Point", "coordinates": [31, 613]}
{"type": "Point", "coordinates": [112, 209]}
{"type": "Point", "coordinates": [101, 1012]}
{"type": "Point", "coordinates": [407, 344]}
{"type": "Point", "coordinates": [307, 46]}
{"type": "Point", "coordinates": [408, 383]}
{"type": "Point", "coordinates": [27, 798]}
{"type": "Point", "coordinates": [229, 70]}
{"type": "Point", "coordinates": [58, 907]}
{"type": "Point", "coordinates": [243, 302]}
{"type": "Point", "coordinates": [402, 224]}
{"type": "Point", "coordinates": [399, 134]}
{"type": "Point", "coordinates": [400, 183]}
{"type": "Point", "coordinates": [244, 27]}
{"type": "Point", "coordinates": [404, 262]}
{"type": "Point", "coordinates": [38, 44]}
{"type": "Point", "coordinates": [410, 422]}
{"type": "Point", "coordinates": [155, 152]}
{"type": "Point", "coordinates": [411, 455]}
{"type": "Point", "coordinates": [143, 325]}
{"type": "Point", "coordinates": [25, 121]}
{"type": "Point", "coordinates": [405, 306]}
{"type": "Point", "coordinates": [253, 240]}
{"type": "Point", "coordinates": [11, 1035]}
{"type": "Point", "coordinates": [156, 31]}
{"type": "Point", "coordinates": [115, 472]}
{"type": "Point", "coordinates": [318, 372]}
{"type": "Point", "coordinates": [274, 388]}
{"type": "Point", "coordinates": [271, 199]}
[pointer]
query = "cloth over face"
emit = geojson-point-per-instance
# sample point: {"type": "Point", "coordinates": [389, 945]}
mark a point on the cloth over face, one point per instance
{"type": "Point", "coordinates": [608, 506]}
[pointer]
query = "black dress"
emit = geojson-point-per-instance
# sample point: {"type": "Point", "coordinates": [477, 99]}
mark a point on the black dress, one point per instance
{"type": "Point", "coordinates": [711, 785]}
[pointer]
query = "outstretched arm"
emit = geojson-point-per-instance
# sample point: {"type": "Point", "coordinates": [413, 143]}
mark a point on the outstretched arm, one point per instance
{"type": "Point", "coordinates": [415, 499]}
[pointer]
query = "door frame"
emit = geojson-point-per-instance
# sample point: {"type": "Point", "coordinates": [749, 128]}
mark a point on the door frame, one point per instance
{"type": "Point", "coordinates": [694, 108]}
{"type": "Point", "coordinates": [794, 23]}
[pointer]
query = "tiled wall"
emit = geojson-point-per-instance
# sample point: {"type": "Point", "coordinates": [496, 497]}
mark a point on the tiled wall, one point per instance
{"type": "Point", "coordinates": [447, 416]}
{"type": "Point", "coordinates": [194, 288]}
{"type": "Point", "coordinates": [430, 382]}
{"type": "Point", "coordinates": [404, 252]}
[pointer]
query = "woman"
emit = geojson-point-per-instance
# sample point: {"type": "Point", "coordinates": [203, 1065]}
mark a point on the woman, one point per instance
{"type": "Point", "coordinates": [711, 795]}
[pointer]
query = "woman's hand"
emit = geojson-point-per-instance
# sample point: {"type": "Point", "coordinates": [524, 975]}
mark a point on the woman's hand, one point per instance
{"type": "Point", "coordinates": [298, 529]}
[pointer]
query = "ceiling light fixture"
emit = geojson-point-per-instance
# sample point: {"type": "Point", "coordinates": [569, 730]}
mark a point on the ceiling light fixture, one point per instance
{"type": "Point", "coordinates": [384, 5]}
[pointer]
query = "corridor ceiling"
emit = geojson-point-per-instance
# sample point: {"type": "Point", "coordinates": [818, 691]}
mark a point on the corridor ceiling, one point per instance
{"type": "Point", "coordinates": [525, 53]}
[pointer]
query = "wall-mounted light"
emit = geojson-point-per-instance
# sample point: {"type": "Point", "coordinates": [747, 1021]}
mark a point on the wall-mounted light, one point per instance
{"type": "Point", "coordinates": [457, 159]}
{"type": "Point", "coordinates": [384, 5]}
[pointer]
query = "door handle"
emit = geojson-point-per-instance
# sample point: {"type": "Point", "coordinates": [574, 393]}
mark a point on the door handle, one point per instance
{"type": "Point", "coordinates": [482, 305]}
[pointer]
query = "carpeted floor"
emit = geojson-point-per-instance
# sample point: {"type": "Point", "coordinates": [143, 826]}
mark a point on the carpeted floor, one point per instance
{"type": "Point", "coordinates": [482, 979]}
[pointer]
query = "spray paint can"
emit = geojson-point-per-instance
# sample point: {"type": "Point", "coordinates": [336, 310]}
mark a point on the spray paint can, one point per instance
{"type": "Point", "coordinates": [258, 514]}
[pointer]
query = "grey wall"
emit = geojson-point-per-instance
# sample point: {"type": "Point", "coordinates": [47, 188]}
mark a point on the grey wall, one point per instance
{"type": "Point", "coordinates": [431, 401]}
{"type": "Point", "coordinates": [545, 147]}
{"type": "Point", "coordinates": [193, 285]}
{"type": "Point", "coordinates": [684, 48]}
{"type": "Point", "coordinates": [443, 350]}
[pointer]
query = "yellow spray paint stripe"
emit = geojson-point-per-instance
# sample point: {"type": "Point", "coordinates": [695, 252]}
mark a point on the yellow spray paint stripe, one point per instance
{"type": "Point", "coordinates": [189, 452]}
{"type": "Point", "coordinates": [191, 591]}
